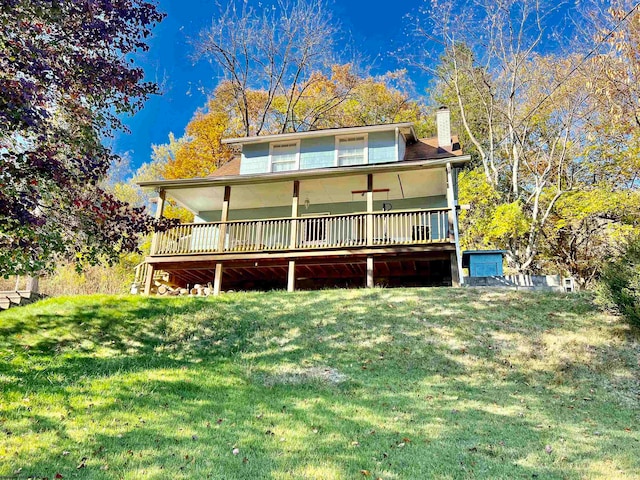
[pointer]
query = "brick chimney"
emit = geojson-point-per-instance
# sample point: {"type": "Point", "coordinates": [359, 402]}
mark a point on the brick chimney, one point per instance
{"type": "Point", "coordinates": [443, 123]}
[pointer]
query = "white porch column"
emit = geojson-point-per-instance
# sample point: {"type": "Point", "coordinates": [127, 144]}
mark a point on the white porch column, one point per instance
{"type": "Point", "coordinates": [160, 202]}
{"type": "Point", "coordinates": [295, 202]}
{"type": "Point", "coordinates": [224, 218]}
{"type": "Point", "coordinates": [369, 209]}
{"type": "Point", "coordinates": [456, 258]}
{"type": "Point", "coordinates": [162, 196]}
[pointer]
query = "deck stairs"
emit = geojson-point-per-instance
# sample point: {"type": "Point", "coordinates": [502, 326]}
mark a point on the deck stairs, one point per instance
{"type": "Point", "coordinates": [15, 298]}
{"type": "Point", "coordinates": [160, 277]}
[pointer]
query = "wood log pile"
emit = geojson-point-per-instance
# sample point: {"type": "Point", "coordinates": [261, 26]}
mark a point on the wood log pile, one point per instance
{"type": "Point", "coordinates": [197, 290]}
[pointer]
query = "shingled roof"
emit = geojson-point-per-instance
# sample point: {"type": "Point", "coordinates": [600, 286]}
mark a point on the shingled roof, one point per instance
{"type": "Point", "coordinates": [232, 167]}
{"type": "Point", "coordinates": [427, 149]}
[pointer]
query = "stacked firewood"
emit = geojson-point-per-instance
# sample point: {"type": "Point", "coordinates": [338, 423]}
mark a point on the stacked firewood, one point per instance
{"type": "Point", "coordinates": [198, 290]}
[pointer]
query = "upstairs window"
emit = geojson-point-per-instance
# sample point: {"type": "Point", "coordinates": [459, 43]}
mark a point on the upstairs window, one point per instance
{"type": "Point", "coordinates": [284, 156]}
{"type": "Point", "coordinates": [351, 150]}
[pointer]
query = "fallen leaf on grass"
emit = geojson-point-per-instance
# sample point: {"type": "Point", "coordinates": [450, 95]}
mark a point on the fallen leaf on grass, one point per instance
{"type": "Point", "coordinates": [57, 475]}
{"type": "Point", "coordinates": [548, 449]}
{"type": "Point", "coordinates": [366, 473]}
{"type": "Point", "coordinates": [235, 451]}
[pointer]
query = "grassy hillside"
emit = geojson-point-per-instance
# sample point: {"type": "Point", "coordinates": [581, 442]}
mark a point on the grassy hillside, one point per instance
{"type": "Point", "coordinates": [391, 384]}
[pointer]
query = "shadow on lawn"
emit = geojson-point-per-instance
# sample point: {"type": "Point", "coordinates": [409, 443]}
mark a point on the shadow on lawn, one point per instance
{"type": "Point", "coordinates": [425, 378]}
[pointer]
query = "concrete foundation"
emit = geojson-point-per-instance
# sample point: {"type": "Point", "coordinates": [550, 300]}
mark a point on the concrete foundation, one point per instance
{"type": "Point", "coordinates": [518, 282]}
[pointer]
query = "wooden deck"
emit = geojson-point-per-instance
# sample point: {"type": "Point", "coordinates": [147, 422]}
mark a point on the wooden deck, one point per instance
{"type": "Point", "coordinates": [349, 231]}
{"type": "Point", "coordinates": [386, 248]}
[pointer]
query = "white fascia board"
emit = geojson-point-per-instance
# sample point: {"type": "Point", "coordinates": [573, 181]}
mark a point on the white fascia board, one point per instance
{"type": "Point", "coordinates": [319, 133]}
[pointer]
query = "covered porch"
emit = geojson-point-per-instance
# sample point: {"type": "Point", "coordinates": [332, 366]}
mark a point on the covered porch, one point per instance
{"type": "Point", "coordinates": [295, 222]}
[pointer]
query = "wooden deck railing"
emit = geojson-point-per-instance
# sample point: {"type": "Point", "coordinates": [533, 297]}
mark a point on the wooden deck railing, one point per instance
{"type": "Point", "coordinates": [408, 227]}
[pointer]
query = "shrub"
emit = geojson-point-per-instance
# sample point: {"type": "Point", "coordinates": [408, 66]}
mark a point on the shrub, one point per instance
{"type": "Point", "coordinates": [620, 283]}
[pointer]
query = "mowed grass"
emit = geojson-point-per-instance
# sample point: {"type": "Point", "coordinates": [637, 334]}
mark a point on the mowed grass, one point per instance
{"type": "Point", "coordinates": [383, 383]}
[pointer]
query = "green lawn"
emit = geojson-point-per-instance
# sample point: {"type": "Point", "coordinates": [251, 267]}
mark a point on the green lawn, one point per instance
{"type": "Point", "coordinates": [383, 383]}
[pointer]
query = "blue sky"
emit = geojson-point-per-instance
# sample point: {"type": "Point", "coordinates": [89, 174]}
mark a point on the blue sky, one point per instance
{"type": "Point", "coordinates": [375, 27]}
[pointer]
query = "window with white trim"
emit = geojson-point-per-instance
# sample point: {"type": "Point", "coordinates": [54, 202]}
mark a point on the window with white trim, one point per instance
{"type": "Point", "coordinates": [284, 156]}
{"type": "Point", "coordinates": [351, 150]}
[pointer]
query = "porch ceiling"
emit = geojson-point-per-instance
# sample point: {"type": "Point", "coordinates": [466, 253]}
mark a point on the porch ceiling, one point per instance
{"type": "Point", "coordinates": [405, 184]}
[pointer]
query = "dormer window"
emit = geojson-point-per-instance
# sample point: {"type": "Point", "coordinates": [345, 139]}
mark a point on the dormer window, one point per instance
{"type": "Point", "coordinates": [351, 150]}
{"type": "Point", "coordinates": [285, 156]}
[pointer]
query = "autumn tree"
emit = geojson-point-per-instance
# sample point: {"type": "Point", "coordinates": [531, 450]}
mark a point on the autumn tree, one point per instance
{"type": "Point", "coordinates": [519, 110]}
{"type": "Point", "coordinates": [340, 100]}
{"type": "Point", "coordinates": [65, 77]}
{"type": "Point", "coordinates": [200, 151]}
{"type": "Point", "coordinates": [267, 54]}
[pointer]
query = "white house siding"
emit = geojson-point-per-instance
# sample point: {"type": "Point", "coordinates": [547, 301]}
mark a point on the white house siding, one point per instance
{"type": "Point", "coordinates": [317, 152]}
{"type": "Point", "coordinates": [255, 158]}
{"type": "Point", "coordinates": [402, 146]}
{"type": "Point", "coordinates": [382, 147]}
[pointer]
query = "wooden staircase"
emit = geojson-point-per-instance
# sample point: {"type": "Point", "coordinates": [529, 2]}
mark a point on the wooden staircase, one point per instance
{"type": "Point", "coordinates": [159, 278]}
{"type": "Point", "coordinates": [17, 298]}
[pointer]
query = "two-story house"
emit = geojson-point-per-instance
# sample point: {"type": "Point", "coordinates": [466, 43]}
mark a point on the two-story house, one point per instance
{"type": "Point", "coordinates": [354, 206]}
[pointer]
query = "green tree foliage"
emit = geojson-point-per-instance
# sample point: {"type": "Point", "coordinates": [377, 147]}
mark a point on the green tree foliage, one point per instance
{"type": "Point", "coordinates": [65, 76]}
{"type": "Point", "coordinates": [620, 285]}
{"type": "Point", "coordinates": [539, 129]}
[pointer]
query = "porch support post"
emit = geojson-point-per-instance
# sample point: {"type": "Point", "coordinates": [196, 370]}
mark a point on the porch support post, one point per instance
{"type": "Point", "coordinates": [370, 209]}
{"type": "Point", "coordinates": [224, 218]}
{"type": "Point", "coordinates": [162, 196]}
{"type": "Point", "coordinates": [455, 273]}
{"type": "Point", "coordinates": [370, 271]}
{"type": "Point", "coordinates": [291, 280]}
{"type": "Point", "coordinates": [160, 201]}
{"type": "Point", "coordinates": [295, 202]}
{"type": "Point", "coordinates": [456, 258]}
{"type": "Point", "coordinates": [217, 279]}
{"type": "Point", "coordinates": [148, 279]}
